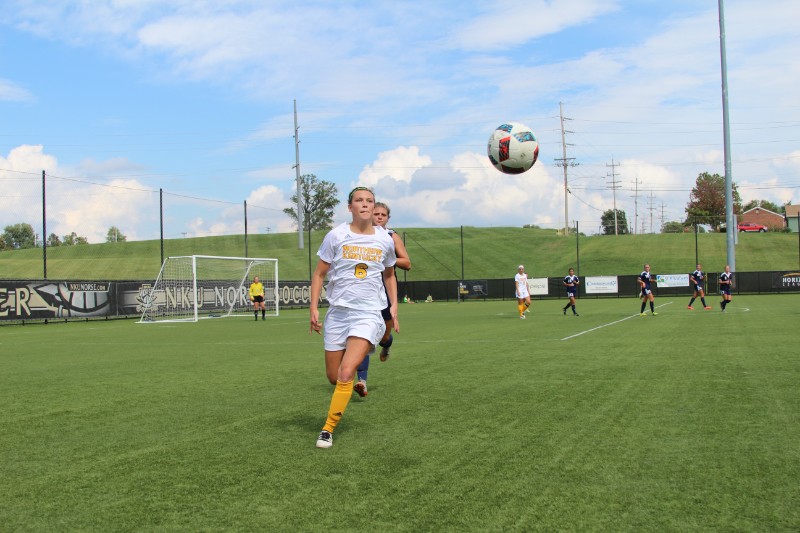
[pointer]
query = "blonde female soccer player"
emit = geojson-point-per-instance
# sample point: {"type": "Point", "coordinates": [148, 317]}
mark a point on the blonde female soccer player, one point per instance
{"type": "Point", "coordinates": [380, 217]}
{"type": "Point", "coordinates": [696, 279]}
{"type": "Point", "coordinates": [521, 290]}
{"type": "Point", "coordinates": [357, 257]}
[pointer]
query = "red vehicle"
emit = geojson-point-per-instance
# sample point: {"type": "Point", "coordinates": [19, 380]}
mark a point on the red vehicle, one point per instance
{"type": "Point", "coordinates": [752, 226]}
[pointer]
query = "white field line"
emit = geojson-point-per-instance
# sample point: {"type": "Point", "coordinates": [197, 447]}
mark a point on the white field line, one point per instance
{"type": "Point", "coordinates": [609, 324]}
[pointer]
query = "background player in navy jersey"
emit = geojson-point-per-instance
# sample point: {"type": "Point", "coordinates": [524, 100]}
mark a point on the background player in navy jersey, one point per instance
{"type": "Point", "coordinates": [645, 279]}
{"type": "Point", "coordinates": [380, 217]}
{"type": "Point", "coordinates": [725, 280]}
{"type": "Point", "coordinates": [697, 280]}
{"type": "Point", "coordinates": [571, 282]}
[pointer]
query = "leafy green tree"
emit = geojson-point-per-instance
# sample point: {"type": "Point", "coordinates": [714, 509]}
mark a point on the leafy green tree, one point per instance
{"type": "Point", "coordinates": [607, 221]}
{"type": "Point", "coordinates": [673, 227]}
{"type": "Point", "coordinates": [3, 244]}
{"type": "Point", "coordinates": [707, 201]}
{"type": "Point", "coordinates": [319, 201]}
{"type": "Point", "coordinates": [19, 236]}
{"type": "Point", "coordinates": [115, 235]}
{"type": "Point", "coordinates": [73, 239]}
{"type": "Point", "coordinates": [766, 204]}
{"type": "Point", "coordinates": [53, 240]}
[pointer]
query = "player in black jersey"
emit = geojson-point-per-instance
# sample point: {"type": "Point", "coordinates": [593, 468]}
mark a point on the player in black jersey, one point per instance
{"type": "Point", "coordinates": [697, 280]}
{"type": "Point", "coordinates": [645, 279]}
{"type": "Point", "coordinates": [571, 282]}
{"type": "Point", "coordinates": [725, 282]}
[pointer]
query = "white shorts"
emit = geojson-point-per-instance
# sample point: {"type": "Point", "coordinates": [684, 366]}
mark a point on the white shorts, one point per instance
{"type": "Point", "coordinates": [523, 294]}
{"type": "Point", "coordinates": [343, 322]}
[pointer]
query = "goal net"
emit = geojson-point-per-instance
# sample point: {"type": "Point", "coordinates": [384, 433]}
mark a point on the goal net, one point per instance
{"type": "Point", "coordinates": [192, 287]}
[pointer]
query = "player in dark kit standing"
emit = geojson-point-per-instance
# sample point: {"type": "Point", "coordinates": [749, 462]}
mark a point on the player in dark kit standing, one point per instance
{"type": "Point", "coordinates": [725, 280]}
{"type": "Point", "coordinates": [571, 282]}
{"type": "Point", "coordinates": [645, 279]}
{"type": "Point", "coordinates": [697, 278]}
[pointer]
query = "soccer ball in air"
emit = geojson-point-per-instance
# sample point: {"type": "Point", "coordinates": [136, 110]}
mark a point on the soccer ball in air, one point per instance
{"type": "Point", "coordinates": [513, 148]}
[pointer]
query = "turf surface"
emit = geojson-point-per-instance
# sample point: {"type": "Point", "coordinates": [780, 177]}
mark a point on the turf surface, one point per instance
{"type": "Point", "coordinates": [479, 421]}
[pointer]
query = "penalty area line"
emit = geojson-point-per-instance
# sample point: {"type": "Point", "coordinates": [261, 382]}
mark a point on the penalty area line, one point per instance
{"type": "Point", "coordinates": [609, 324]}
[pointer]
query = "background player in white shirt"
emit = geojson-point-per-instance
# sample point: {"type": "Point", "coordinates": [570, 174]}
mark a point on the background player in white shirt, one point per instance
{"type": "Point", "coordinates": [521, 290]}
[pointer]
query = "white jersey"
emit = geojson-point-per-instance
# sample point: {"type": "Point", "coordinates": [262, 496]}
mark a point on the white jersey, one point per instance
{"type": "Point", "coordinates": [355, 278]}
{"type": "Point", "coordinates": [521, 281]}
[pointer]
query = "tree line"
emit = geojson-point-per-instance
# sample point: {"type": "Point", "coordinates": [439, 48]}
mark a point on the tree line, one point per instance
{"type": "Point", "coordinates": [22, 235]}
{"type": "Point", "coordinates": [706, 207]}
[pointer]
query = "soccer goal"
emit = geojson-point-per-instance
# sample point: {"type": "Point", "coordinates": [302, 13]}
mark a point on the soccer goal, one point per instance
{"type": "Point", "coordinates": [192, 287]}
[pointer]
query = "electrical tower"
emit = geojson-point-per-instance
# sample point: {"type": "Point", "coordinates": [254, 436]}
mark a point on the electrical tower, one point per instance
{"type": "Point", "coordinates": [614, 186]}
{"type": "Point", "coordinates": [651, 209]}
{"type": "Point", "coordinates": [565, 162]}
{"type": "Point", "coordinates": [636, 183]}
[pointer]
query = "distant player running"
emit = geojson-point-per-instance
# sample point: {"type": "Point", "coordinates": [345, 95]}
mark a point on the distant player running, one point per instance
{"type": "Point", "coordinates": [521, 290]}
{"type": "Point", "coordinates": [645, 280]}
{"type": "Point", "coordinates": [725, 281]}
{"type": "Point", "coordinates": [697, 278]}
{"type": "Point", "coordinates": [571, 282]}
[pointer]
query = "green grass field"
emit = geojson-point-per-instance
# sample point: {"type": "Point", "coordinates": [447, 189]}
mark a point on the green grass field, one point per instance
{"type": "Point", "coordinates": [686, 421]}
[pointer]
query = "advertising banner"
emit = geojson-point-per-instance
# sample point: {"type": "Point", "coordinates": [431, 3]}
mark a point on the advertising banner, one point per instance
{"type": "Point", "coordinates": [601, 284]}
{"type": "Point", "coordinates": [25, 300]}
{"type": "Point", "coordinates": [473, 289]}
{"type": "Point", "coordinates": [537, 287]}
{"type": "Point", "coordinates": [786, 280]}
{"type": "Point", "coordinates": [672, 280]}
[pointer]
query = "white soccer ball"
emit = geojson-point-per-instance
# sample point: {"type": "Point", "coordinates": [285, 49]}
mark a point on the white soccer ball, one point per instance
{"type": "Point", "coordinates": [513, 148]}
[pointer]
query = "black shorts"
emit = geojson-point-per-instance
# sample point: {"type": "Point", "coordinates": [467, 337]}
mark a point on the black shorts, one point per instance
{"type": "Point", "coordinates": [387, 314]}
{"type": "Point", "coordinates": [258, 299]}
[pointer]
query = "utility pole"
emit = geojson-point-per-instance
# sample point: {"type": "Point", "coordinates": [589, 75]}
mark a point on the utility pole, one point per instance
{"type": "Point", "coordinates": [663, 217]}
{"type": "Point", "coordinates": [651, 209]}
{"type": "Point", "coordinates": [297, 178]}
{"type": "Point", "coordinates": [565, 162]}
{"type": "Point", "coordinates": [636, 183]}
{"type": "Point", "coordinates": [730, 218]}
{"type": "Point", "coordinates": [614, 187]}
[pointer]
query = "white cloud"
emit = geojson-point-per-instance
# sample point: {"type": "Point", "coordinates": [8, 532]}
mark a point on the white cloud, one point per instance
{"type": "Point", "coordinates": [11, 92]}
{"type": "Point", "coordinates": [509, 23]}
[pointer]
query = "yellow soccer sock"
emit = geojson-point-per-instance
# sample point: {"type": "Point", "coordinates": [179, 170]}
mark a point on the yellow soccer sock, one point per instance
{"type": "Point", "coordinates": [521, 309]}
{"type": "Point", "coordinates": [339, 400]}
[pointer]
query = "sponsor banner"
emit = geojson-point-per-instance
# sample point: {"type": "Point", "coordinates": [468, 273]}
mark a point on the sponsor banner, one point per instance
{"type": "Point", "coordinates": [786, 280]}
{"type": "Point", "coordinates": [672, 280]}
{"type": "Point", "coordinates": [25, 300]}
{"type": "Point", "coordinates": [49, 300]}
{"type": "Point", "coordinates": [538, 287]}
{"type": "Point", "coordinates": [473, 288]}
{"type": "Point", "coordinates": [601, 284]}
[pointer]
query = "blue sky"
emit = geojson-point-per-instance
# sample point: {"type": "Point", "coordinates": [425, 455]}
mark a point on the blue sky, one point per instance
{"type": "Point", "coordinates": [117, 99]}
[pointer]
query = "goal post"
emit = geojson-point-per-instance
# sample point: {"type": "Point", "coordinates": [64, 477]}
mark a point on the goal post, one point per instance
{"type": "Point", "coordinates": [192, 287]}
